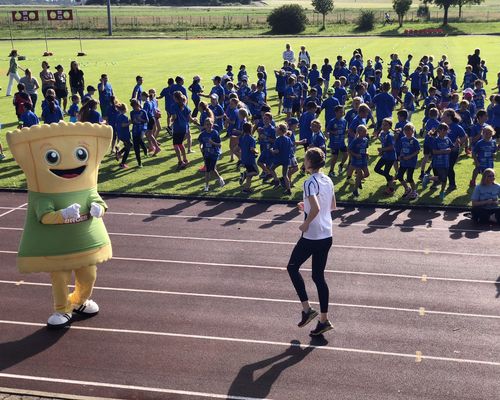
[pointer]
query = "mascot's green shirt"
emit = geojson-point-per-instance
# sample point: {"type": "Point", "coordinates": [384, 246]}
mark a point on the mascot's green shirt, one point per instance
{"type": "Point", "coordinates": [71, 245]}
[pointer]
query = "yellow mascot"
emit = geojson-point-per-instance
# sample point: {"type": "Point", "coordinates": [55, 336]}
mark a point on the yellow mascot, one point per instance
{"type": "Point", "coordinates": [64, 231]}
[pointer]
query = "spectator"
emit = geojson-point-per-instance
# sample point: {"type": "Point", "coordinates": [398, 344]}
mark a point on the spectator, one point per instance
{"type": "Point", "coordinates": [31, 85]}
{"type": "Point", "coordinates": [76, 80]}
{"type": "Point", "coordinates": [288, 54]}
{"type": "Point", "coordinates": [485, 198]}
{"type": "Point", "coordinates": [12, 72]}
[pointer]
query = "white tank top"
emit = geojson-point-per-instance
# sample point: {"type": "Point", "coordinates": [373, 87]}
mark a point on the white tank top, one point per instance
{"type": "Point", "coordinates": [321, 186]}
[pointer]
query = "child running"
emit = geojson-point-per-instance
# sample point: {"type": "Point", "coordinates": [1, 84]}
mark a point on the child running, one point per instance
{"type": "Point", "coordinates": [123, 135]}
{"type": "Point", "coordinates": [248, 153]}
{"type": "Point", "coordinates": [359, 158]}
{"type": "Point", "coordinates": [408, 150]}
{"type": "Point", "coordinates": [210, 144]}
{"type": "Point", "coordinates": [139, 120]}
{"type": "Point", "coordinates": [316, 240]}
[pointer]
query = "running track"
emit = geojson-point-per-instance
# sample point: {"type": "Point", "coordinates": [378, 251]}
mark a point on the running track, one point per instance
{"type": "Point", "coordinates": [197, 304]}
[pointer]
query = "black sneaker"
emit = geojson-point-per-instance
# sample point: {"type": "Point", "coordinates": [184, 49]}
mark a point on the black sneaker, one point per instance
{"type": "Point", "coordinates": [321, 328]}
{"type": "Point", "coordinates": [243, 176]}
{"type": "Point", "coordinates": [307, 317]}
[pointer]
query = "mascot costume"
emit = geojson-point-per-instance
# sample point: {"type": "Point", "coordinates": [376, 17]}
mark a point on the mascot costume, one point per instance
{"type": "Point", "coordinates": [64, 231]}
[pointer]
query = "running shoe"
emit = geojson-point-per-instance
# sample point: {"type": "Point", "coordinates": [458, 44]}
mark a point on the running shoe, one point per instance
{"type": "Point", "coordinates": [242, 177]}
{"type": "Point", "coordinates": [307, 317]}
{"type": "Point", "coordinates": [221, 182]}
{"type": "Point", "coordinates": [87, 309]}
{"type": "Point", "coordinates": [321, 328]}
{"type": "Point", "coordinates": [59, 320]}
{"type": "Point", "coordinates": [441, 196]}
{"type": "Point", "coordinates": [206, 188]}
{"type": "Point", "coordinates": [123, 166]}
{"type": "Point", "coordinates": [2, 156]}
{"type": "Point", "coordinates": [425, 180]}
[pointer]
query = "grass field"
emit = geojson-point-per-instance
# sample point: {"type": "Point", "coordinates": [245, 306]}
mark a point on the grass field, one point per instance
{"type": "Point", "coordinates": [157, 60]}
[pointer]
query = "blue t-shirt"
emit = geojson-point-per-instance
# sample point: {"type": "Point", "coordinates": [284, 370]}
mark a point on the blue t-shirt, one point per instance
{"type": "Point", "coordinates": [486, 192]}
{"type": "Point", "coordinates": [167, 94]}
{"type": "Point", "coordinates": [280, 82]}
{"type": "Point", "coordinates": [50, 117]}
{"type": "Point", "coordinates": [288, 100]}
{"type": "Point", "coordinates": [384, 105]}
{"type": "Point", "coordinates": [352, 80]}
{"type": "Point", "coordinates": [305, 131]}
{"type": "Point", "coordinates": [232, 115]}
{"type": "Point", "coordinates": [469, 78]}
{"type": "Point", "coordinates": [326, 71]}
{"type": "Point", "coordinates": [94, 117]}
{"type": "Point", "coordinates": [313, 76]}
{"type": "Point", "coordinates": [329, 106]}
{"type": "Point", "coordinates": [245, 143]}
{"type": "Point", "coordinates": [105, 92]}
{"type": "Point", "coordinates": [359, 146]}
{"type": "Point", "coordinates": [219, 91]}
{"type": "Point", "coordinates": [139, 120]}
{"type": "Point", "coordinates": [387, 140]}
{"type": "Point", "coordinates": [181, 122]}
{"type": "Point", "coordinates": [456, 131]}
{"type": "Point", "coordinates": [208, 149]}
{"type": "Point", "coordinates": [218, 112]}
{"type": "Point", "coordinates": [29, 118]}
{"type": "Point", "coordinates": [122, 127]}
{"type": "Point", "coordinates": [485, 153]}
{"type": "Point", "coordinates": [353, 126]}
{"type": "Point", "coordinates": [406, 148]}
{"type": "Point", "coordinates": [340, 94]}
{"type": "Point", "coordinates": [318, 140]}
{"type": "Point", "coordinates": [196, 89]}
{"type": "Point", "coordinates": [284, 146]}
{"type": "Point", "coordinates": [441, 160]}
{"type": "Point", "coordinates": [73, 112]}
{"type": "Point", "coordinates": [137, 92]}
{"type": "Point", "coordinates": [266, 139]}
{"type": "Point", "coordinates": [336, 128]}
{"type": "Point", "coordinates": [409, 101]}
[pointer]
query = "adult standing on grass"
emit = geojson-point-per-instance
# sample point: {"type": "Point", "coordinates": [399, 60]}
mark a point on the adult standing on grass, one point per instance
{"type": "Point", "coordinates": [316, 240]}
{"type": "Point", "coordinates": [31, 85]}
{"type": "Point", "coordinates": [76, 79]}
{"type": "Point", "coordinates": [12, 72]}
{"type": "Point", "coordinates": [474, 60]}
{"type": "Point", "coordinates": [61, 87]}
{"type": "Point", "coordinates": [47, 77]}
{"type": "Point", "coordinates": [288, 54]}
{"type": "Point", "coordinates": [304, 56]}
{"type": "Point", "coordinates": [485, 198]}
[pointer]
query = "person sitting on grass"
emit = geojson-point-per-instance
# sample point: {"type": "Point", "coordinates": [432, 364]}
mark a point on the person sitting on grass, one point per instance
{"type": "Point", "coordinates": [248, 154]}
{"type": "Point", "coordinates": [358, 152]}
{"type": "Point", "coordinates": [485, 198]}
{"type": "Point", "coordinates": [210, 144]}
{"type": "Point", "coordinates": [484, 153]}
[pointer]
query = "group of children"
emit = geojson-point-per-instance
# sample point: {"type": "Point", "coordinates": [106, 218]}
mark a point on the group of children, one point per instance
{"type": "Point", "coordinates": [304, 92]}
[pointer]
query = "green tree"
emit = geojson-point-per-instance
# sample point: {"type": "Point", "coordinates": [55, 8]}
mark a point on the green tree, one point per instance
{"type": "Point", "coordinates": [401, 7]}
{"type": "Point", "coordinates": [290, 18]}
{"type": "Point", "coordinates": [323, 7]}
{"type": "Point", "coordinates": [462, 3]}
{"type": "Point", "coordinates": [445, 5]}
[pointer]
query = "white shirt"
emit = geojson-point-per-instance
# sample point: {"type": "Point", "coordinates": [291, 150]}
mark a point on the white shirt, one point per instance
{"type": "Point", "coordinates": [304, 56]}
{"type": "Point", "coordinates": [289, 55]}
{"type": "Point", "coordinates": [321, 186]}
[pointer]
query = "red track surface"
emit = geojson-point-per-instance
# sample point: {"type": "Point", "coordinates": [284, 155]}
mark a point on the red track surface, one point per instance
{"type": "Point", "coordinates": [197, 304]}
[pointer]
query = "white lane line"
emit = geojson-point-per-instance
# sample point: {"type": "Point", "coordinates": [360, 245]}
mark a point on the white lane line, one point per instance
{"type": "Point", "coordinates": [263, 299]}
{"type": "Point", "coordinates": [256, 341]}
{"type": "Point", "coordinates": [269, 242]}
{"type": "Point", "coordinates": [280, 221]}
{"type": "Point", "coordinates": [268, 267]}
{"type": "Point", "coordinates": [13, 209]}
{"type": "Point", "coordinates": [126, 387]}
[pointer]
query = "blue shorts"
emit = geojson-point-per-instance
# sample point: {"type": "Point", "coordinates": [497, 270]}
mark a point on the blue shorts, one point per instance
{"type": "Point", "coordinates": [265, 158]}
{"type": "Point", "coordinates": [338, 147]}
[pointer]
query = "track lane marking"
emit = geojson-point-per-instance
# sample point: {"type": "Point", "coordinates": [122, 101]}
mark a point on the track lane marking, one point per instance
{"type": "Point", "coordinates": [13, 209]}
{"type": "Point", "coordinates": [421, 310]}
{"type": "Point", "coordinates": [279, 221]}
{"type": "Point", "coordinates": [268, 242]}
{"type": "Point", "coordinates": [127, 387]}
{"type": "Point", "coordinates": [261, 342]}
{"type": "Point", "coordinates": [266, 267]}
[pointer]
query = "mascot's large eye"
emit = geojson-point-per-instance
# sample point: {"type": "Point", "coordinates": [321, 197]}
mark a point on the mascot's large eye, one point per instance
{"type": "Point", "coordinates": [81, 154]}
{"type": "Point", "coordinates": [52, 157]}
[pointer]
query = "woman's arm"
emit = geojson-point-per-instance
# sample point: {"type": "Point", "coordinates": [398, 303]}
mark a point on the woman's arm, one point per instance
{"type": "Point", "coordinates": [313, 201]}
{"type": "Point", "coordinates": [334, 202]}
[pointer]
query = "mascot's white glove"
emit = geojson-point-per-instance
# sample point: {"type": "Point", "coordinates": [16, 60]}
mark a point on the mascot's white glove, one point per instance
{"type": "Point", "coordinates": [71, 212]}
{"type": "Point", "coordinates": [96, 210]}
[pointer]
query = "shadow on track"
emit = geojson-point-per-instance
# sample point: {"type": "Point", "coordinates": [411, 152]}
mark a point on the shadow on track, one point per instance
{"type": "Point", "coordinates": [12, 353]}
{"type": "Point", "coordinates": [497, 284]}
{"type": "Point", "coordinates": [247, 385]}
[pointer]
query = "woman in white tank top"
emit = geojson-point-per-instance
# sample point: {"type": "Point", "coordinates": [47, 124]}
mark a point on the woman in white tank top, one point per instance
{"type": "Point", "coordinates": [316, 239]}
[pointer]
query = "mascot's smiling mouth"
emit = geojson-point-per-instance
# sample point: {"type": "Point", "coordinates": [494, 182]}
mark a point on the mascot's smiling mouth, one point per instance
{"type": "Point", "coordinates": [69, 173]}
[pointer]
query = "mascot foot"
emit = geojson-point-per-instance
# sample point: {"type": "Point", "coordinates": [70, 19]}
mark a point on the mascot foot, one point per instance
{"type": "Point", "coordinates": [87, 309]}
{"type": "Point", "coordinates": [59, 321]}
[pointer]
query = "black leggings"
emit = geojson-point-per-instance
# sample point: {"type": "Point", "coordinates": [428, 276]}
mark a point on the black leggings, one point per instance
{"type": "Point", "coordinates": [451, 171]}
{"type": "Point", "coordinates": [304, 249]}
{"type": "Point", "coordinates": [138, 145]}
{"type": "Point", "coordinates": [482, 214]}
{"type": "Point", "coordinates": [126, 149]}
{"type": "Point", "coordinates": [383, 167]}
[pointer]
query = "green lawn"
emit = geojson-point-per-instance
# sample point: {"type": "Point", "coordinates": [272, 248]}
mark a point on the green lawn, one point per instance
{"type": "Point", "coordinates": [157, 60]}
